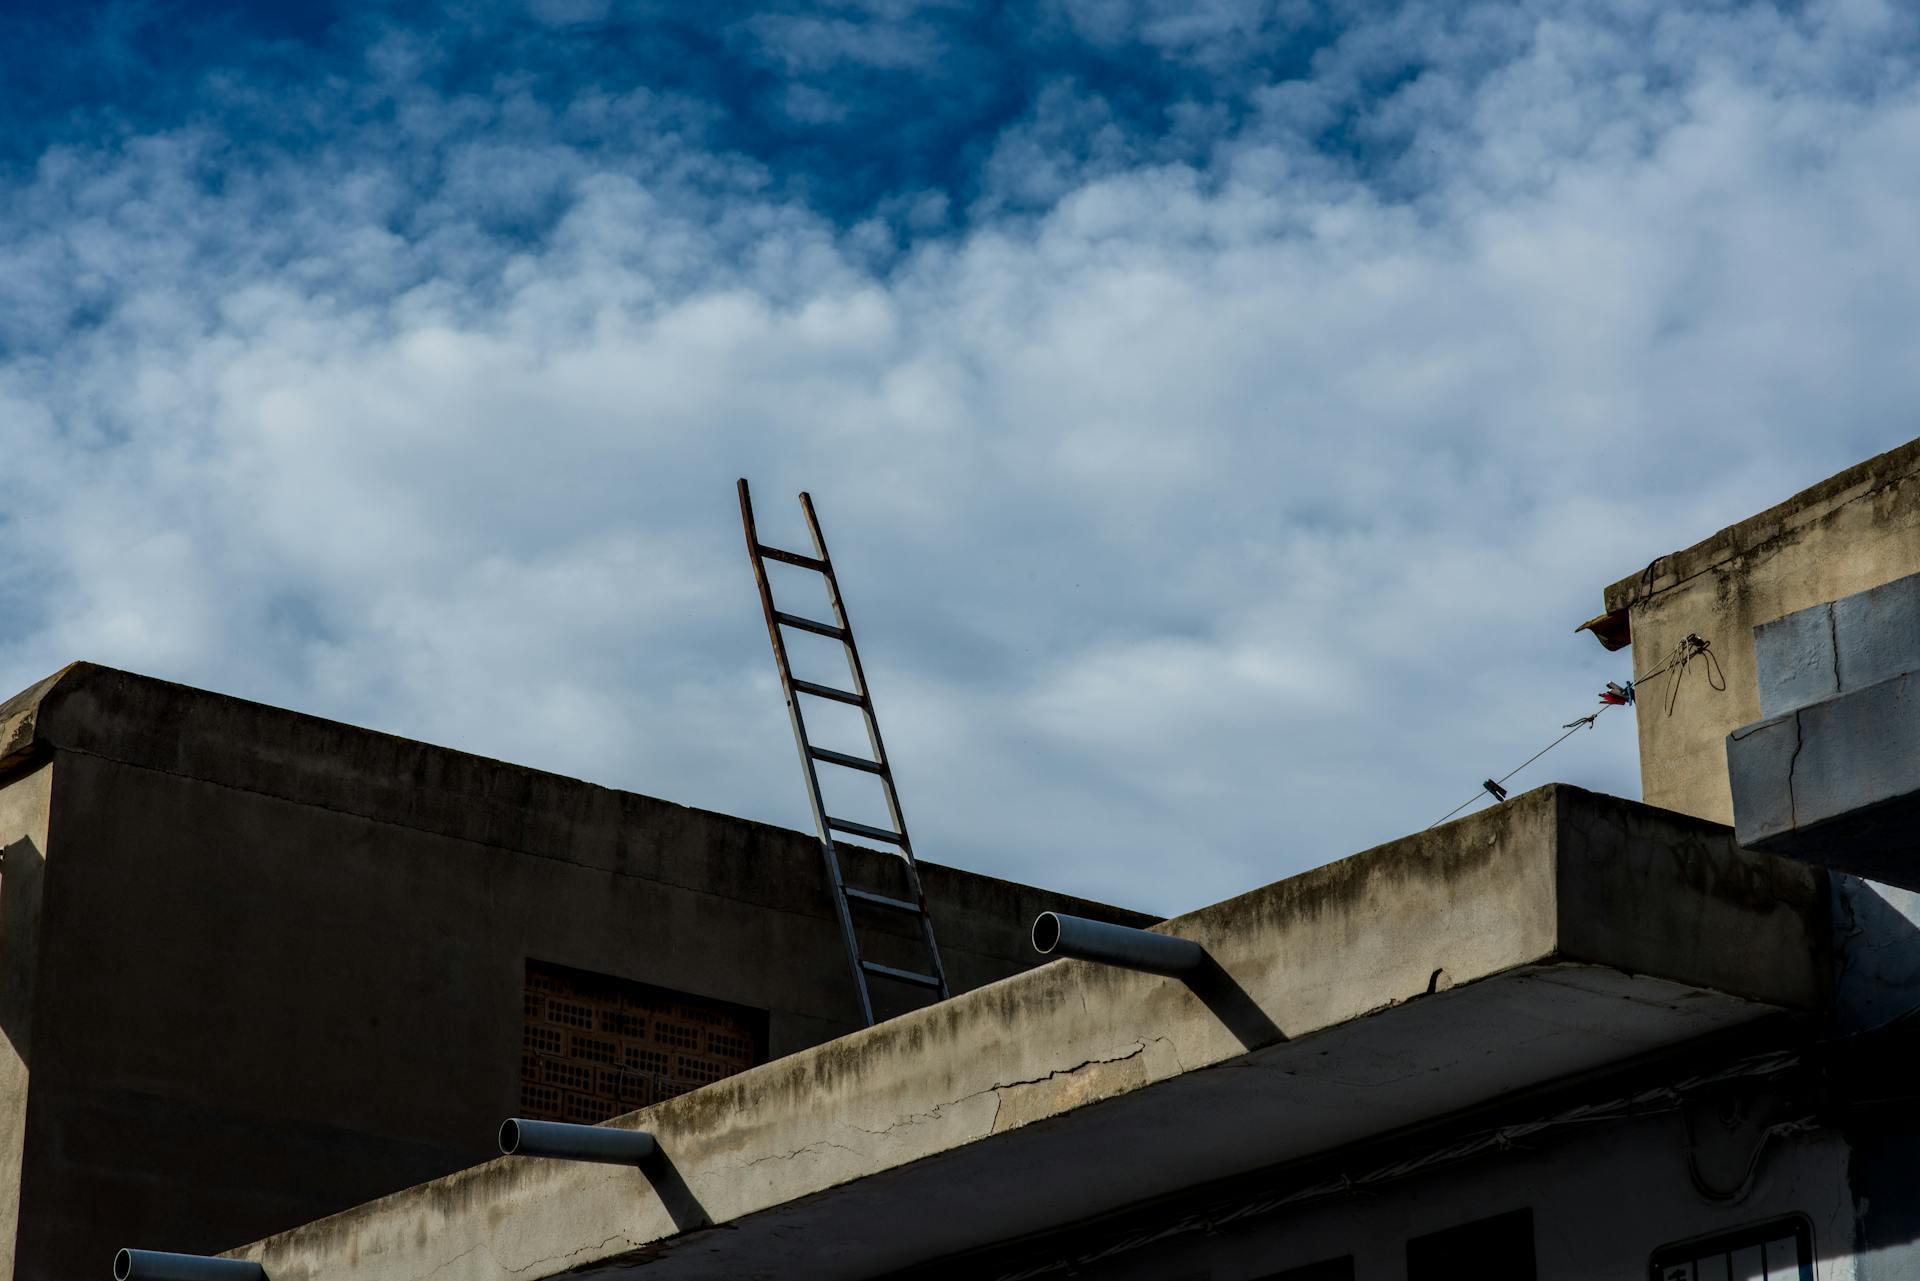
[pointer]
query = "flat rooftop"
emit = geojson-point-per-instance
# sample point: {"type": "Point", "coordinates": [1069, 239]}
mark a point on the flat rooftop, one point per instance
{"type": "Point", "coordinates": [1555, 934]}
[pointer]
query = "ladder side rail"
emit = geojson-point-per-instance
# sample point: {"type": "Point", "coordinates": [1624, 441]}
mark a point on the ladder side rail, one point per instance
{"type": "Point", "coordinates": [834, 879]}
{"type": "Point", "coordinates": [859, 677]}
{"type": "Point", "coordinates": [854, 670]}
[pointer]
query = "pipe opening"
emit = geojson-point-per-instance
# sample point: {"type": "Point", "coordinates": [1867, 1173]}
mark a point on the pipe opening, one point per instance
{"type": "Point", "coordinates": [122, 1265]}
{"type": "Point", "coordinates": [1046, 932]}
{"type": "Point", "coordinates": [509, 1139]}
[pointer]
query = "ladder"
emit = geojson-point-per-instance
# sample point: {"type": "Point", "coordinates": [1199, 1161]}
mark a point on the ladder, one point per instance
{"type": "Point", "coordinates": [846, 898]}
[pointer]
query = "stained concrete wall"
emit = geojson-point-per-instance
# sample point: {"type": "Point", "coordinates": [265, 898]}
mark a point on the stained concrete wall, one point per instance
{"type": "Point", "coordinates": [1529, 944]}
{"type": "Point", "coordinates": [281, 959]}
{"type": "Point", "coordinates": [24, 807]}
{"type": "Point", "coordinates": [1857, 530]}
{"type": "Point", "coordinates": [1773, 574]}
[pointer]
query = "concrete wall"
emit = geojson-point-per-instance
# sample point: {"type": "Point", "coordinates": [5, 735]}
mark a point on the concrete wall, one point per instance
{"type": "Point", "coordinates": [24, 807]}
{"type": "Point", "coordinates": [1774, 575]}
{"type": "Point", "coordinates": [1528, 945]}
{"type": "Point", "coordinates": [1604, 1196]}
{"type": "Point", "coordinates": [281, 962]}
{"type": "Point", "coordinates": [1854, 531]}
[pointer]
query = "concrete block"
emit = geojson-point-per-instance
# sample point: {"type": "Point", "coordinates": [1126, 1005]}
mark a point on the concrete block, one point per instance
{"type": "Point", "coordinates": [1794, 660]}
{"type": "Point", "coordinates": [1836, 783]}
{"type": "Point", "coordinates": [1878, 633]}
{"type": "Point", "coordinates": [1844, 645]}
{"type": "Point", "coordinates": [1760, 766]}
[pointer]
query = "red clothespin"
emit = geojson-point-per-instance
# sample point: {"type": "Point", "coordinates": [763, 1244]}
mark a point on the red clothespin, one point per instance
{"type": "Point", "coordinates": [1617, 695]}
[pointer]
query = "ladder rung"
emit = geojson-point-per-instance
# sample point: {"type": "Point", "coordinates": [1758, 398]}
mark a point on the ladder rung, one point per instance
{"type": "Point", "coordinates": [852, 828]}
{"type": "Point", "coordinates": [828, 691]}
{"type": "Point", "coordinates": [841, 758]}
{"type": "Point", "coordinates": [905, 976]}
{"type": "Point", "coordinates": [883, 900]}
{"type": "Point", "coordinates": [792, 558]}
{"type": "Point", "coordinates": [808, 625]}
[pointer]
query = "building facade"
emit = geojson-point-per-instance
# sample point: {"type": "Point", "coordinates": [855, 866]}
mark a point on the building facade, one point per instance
{"type": "Point", "coordinates": [1568, 1037]}
{"type": "Point", "coordinates": [258, 967]}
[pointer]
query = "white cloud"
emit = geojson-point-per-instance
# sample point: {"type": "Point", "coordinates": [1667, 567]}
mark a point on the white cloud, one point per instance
{"type": "Point", "coordinates": [1208, 523]}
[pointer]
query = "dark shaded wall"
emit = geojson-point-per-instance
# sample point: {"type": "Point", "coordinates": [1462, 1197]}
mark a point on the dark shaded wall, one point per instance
{"type": "Point", "coordinates": [280, 960]}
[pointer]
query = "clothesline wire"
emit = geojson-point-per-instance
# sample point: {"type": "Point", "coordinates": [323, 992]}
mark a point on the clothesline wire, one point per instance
{"type": "Point", "coordinates": [1683, 653]}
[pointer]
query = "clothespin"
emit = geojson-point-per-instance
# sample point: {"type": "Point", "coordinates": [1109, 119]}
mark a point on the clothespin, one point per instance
{"type": "Point", "coordinates": [1499, 792]}
{"type": "Point", "coordinates": [1617, 695]}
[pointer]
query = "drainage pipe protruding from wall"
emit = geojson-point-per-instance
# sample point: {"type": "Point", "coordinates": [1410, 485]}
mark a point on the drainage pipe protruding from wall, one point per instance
{"type": "Point", "coordinates": [1055, 934]}
{"type": "Point", "coordinates": [154, 1265]}
{"type": "Point", "coordinates": [565, 1142]}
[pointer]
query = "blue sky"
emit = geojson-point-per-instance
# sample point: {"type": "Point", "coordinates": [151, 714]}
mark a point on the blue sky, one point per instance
{"type": "Point", "coordinates": [1222, 412]}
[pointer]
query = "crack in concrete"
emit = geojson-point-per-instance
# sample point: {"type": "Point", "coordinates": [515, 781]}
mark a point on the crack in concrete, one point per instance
{"type": "Point", "coordinates": [593, 1251]}
{"type": "Point", "coordinates": [444, 1264]}
{"type": "Point", "coordinates": [1793, 804]}
{"type": "Point", "coordinates": [939, 1109]}
{"type": "Point", "coordinates": [1139, 1048]}
{"type": "Point", "coordinates": [1833, 644]}
{"type": "Point", "coordinates": [817, 1145]}
{"type": "Point", "coordinates": [1178, 1062]}
{"type": "Point", "coordinates": [931, 1114]}
{"type": "Point", "coordinates": [993, 1126]}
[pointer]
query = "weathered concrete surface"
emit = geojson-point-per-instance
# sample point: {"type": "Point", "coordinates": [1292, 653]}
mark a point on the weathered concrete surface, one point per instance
{"type": "Point", "coordinates": [1833, 776]}
{"type": "Point", "coordinates": [1838, 647]}
{"type": "Point", "coordinates": [1553, 935]}
{"type": "Point", "coordinates": [1836, 783]}
{"type": "Point", "coordinates": [24, 807]}
{"type": "Point", "coordinates": [282, 958]}
{"type": "Point", "coordinates": [1854, 531]}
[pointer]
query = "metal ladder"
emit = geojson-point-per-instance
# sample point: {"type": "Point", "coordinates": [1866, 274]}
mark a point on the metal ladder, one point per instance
{"type": "Point", "coordinates": [846, 898]}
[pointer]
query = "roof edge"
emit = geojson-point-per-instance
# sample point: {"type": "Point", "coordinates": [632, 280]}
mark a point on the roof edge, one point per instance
{"type": "Point", "coordinates": [1862, 480]}
{"type": "Point", "coordinates": [145, 722]}
{"type": "Point", "coordinates": [21, 739]}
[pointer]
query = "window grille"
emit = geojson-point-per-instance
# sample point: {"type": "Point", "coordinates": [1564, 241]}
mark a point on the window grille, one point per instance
{"type": "Point", "coordinates": [1777, 1250]}
{"type": "Point", "coordinates": [595, 1046]}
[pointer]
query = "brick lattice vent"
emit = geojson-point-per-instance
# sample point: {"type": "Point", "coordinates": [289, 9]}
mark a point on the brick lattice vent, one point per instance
{"type": "Point", "coordinates": [596, 1046]}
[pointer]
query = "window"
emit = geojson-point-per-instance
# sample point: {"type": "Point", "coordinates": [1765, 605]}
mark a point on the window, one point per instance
{"type": "Point", "coordinates": [595, 1046]}
{"type": "Point", "coordinates": [1495, 1249]}
{"type": "Point", "coordinates": [1778, 1250]}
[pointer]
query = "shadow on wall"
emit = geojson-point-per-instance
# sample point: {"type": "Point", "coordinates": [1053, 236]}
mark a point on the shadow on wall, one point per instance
{"type": "Point", "coordinates": [1876, 944]}
{"type": "Point", "coordinates": [1876, 977]}
{"type": "Point", "coordinates": [22, 866]}
{"type": "Point", "coordinates": [1231, 1004]}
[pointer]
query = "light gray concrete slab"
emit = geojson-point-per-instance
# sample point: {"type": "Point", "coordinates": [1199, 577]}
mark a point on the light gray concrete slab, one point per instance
{"type": "Point", "coordinates": [1877, 633]}
{"type": "Point", "coordinates": [1794, 660]}
{"type": "Point", "coordinates": [1819, 653]}
{"type": "Point", "coordinates": [1836, 783]}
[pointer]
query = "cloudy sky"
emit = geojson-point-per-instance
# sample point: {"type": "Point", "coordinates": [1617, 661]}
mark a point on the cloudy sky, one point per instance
{"type": "Point", "coordinates": [1221, 411]}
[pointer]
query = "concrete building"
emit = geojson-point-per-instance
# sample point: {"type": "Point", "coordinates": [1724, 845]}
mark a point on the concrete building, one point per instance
{"type": "Point", "coordinates": [1567, 1037]}
{"type": "Point", "coordinates": [257, 967]}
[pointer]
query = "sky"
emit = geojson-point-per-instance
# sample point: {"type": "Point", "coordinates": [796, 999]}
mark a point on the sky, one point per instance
{"type": "Point", "coordinates": [1221, 413]}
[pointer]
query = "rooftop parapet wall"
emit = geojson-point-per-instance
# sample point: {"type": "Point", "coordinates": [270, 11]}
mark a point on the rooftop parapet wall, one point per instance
{"type": "Point", "coordinates": [1554, 934]}
{"type": "Point", "coordinates": [1851, 532]}
{"type": "Point", "coordinates": [180, 731]}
